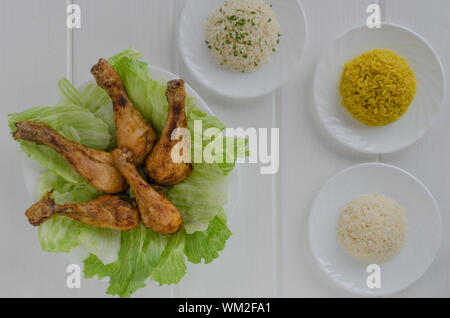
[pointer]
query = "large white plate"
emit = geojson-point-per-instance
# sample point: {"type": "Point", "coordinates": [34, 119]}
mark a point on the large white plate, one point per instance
{"type": "Point", "coordinates": [32, 170]}
{"type": "Point", "coordinates": [424, 227]}
{"type": "Point", "coordinates": [283, 65]}
{"type": "Point", "coordinates": [421, 113]}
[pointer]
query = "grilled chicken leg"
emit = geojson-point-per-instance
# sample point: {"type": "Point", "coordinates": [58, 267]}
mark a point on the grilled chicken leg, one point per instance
{"type": "Point", "coordinates": [95, 166]}
{"type": "Point", "coordinates": [159, 164]}
{"type": "Point", "coordinates": [157, 213]}
{"type": "Point", "coordinates": [107, 211]}
{"type": "Point", "coordinates": [133, 132]}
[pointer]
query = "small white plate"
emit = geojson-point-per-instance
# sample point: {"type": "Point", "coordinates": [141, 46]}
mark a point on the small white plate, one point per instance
{"type": "Point", "coordinates": [421, 113]}
{"type": "Point", "coordinates": [282, 66]}
{"type": "Point", "coordinates": [424, 228]}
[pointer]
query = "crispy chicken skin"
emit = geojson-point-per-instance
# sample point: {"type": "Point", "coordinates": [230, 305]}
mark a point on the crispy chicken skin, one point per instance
{"type": "Point", "coordinates": [157, 213]}
{"type": "Point", "coordinates": [94, 165]}
{"type": "Point", "coordinates": [133, 132]}
{"type": "Point", "coordinates": [107, 211]}
{"type": "Point", "coordinates": [159, 164]}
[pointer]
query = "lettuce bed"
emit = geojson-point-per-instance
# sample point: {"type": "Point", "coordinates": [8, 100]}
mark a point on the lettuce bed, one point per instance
{"type": "Point", "coordinates": [128, 258]}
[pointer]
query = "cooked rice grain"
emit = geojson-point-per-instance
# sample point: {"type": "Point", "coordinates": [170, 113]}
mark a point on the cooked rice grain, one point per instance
{"type": "Point", "coordinates": [372, 228]}
{"type": "Point", "coordinates": [242, 34]}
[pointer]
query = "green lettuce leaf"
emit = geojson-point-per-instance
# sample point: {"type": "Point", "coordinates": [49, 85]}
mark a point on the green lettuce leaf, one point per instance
{"type": "Point", "coordinates": [172, 265]}
{"type": "Point", "coordinates": [206, 245]}
{"type": "Point", "coordinates": [200, 196]}
{"type": "Point", "coordinates": [92, 131]}
{"type": "Point", "coordinates": [61, 234]}
{"type": "Point", "coordinates": [145, 254]}
{"type": "Point", "coordinates": [131, 53]}
{"type": "Point", "coordinates": [84, 117]}
{"type": "Point", "coordinates": [64, 191]}
{"type": "Point", "coordinates": [140, 252]}
{"type": "Point", "coordinates": [93, 98]}
{"type": "Point", "coordinates": [79, 117]}
{"type": "Point", "coordinates": [129, 258]}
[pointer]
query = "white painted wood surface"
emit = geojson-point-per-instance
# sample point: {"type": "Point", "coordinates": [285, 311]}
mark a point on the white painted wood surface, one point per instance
{"type": "Point", "coordinates": [268, 254]}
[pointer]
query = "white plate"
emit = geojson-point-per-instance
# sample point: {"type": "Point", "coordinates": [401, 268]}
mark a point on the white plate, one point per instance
{"type": "Point", "coordinates": [424, 227]}
{"type": "Point", "coordinates": [32, 170]}
{"type": "Point", "coordinates": [282, 66]}
{"type": "Point", "coordinates": [421, 113]}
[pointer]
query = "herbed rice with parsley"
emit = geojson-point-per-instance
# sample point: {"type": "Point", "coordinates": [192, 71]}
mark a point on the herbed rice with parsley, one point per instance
{"type": "Point", "coordinates": [242, 34]}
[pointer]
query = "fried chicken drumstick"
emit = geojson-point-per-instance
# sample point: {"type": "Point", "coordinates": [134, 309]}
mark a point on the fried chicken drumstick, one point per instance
{"type": "Point", "coordinates": [157, 213]}
{"type": "Point", "coordinates": [107, 211]}
{"type": "Point", "coordinates": [159, 164]}
{"type": "Point", "coordinates": [133, 132]}
{"type": "Point", "coordinates": [94, 165]}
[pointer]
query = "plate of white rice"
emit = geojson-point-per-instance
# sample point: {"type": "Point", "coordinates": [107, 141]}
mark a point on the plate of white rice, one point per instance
{"type": "Point", "coordinates": [242, 48]}
{"type": "Point", "coordinates": [374, 229]}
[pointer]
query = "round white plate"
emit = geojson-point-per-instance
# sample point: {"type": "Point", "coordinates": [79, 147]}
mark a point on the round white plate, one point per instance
{"type": "Point", "coordinates": [32, 170]}
{"type": "Point", "coordinates": [424, 228]}
{"type": "Point", "coordinates": [421, 113]}
{"type": "Point", "coordinates": [282, 66]}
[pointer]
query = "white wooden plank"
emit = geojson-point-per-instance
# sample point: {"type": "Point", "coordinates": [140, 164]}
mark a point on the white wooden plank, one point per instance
{"type": "Point", "coordinates": [429, 158]}
{"type": "Point", "coordinates": [308, 155]}
{"type": "Point", "coordinates": [32, 60]}
{"type": "Point", "coordinates": [247, 260]}
{"type": "Point", "coordinates": [110, 26]}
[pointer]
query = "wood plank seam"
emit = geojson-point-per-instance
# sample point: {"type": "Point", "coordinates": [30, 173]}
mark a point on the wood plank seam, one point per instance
{"type": "Point", "coordinates": [382, 5]}
{"type": "Point", "coordinates": [276, 216]}
{"type": "Point", "coordinates": [69, 50]}
{"type": "Point", "coordinates": [174, 289]}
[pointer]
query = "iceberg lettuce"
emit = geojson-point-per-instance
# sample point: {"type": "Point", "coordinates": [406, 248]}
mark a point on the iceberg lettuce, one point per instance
{"type": "Point", "coordinates": [128, 258]}
{"type": "Point", "coordinates": [74, 121]}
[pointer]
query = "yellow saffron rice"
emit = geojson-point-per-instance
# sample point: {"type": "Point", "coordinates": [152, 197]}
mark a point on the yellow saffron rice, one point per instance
{"type": "Point", "coordinates": [377, 87]}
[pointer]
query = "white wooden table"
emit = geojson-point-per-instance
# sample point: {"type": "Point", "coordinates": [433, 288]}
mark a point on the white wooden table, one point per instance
{"type": "Point", "coordinates": [268, 254]}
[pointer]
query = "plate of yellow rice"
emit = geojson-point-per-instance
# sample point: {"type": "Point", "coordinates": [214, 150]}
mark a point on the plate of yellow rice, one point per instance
{"type": "Point", "coordinates": [378, 90]}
